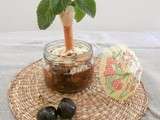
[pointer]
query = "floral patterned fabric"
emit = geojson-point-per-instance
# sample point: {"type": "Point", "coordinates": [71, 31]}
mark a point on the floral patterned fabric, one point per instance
{"type": "Point", "coordinates": [120, 72]}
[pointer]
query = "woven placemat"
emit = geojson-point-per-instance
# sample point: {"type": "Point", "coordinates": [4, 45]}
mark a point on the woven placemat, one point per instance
{"type": "Point", "coordinates": [28, 93]}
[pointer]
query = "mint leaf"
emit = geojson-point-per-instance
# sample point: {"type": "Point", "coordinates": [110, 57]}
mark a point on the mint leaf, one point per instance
{"type": "Point", "coordinates": [79, 14]}
{"type": "Point", "coordinates": [60, 5]}
{"type": "Point", "coordinates": [53, 4]}
{"type": "Point", "coordinates": [88, 6]}
{"type": "Point", "coordinates": [45, 14]}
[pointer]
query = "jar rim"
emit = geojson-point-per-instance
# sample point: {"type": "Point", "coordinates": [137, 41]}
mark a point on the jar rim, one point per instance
{"type": "Point", "coordinates": [60, 42]}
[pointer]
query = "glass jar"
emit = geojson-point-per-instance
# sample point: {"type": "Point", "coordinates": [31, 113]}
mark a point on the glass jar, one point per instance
{"type": "Point", "coordinates": [68, 73]}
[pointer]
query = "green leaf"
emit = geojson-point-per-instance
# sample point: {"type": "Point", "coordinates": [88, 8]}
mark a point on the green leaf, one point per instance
{"type": "Point", "coordinates": [53, 4]}
{"type": "Point", "coordinates": [45, 14]}
{"type": "Point", "coordinates": [88, 6]}
{"type": "Point", "coordinates": [59, 5]}
{"type": "Point", "coordinates": [79, 14]}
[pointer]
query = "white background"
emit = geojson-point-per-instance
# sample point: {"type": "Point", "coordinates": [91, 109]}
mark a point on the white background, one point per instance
{"type": "Point", "coordinates": [112, 15]}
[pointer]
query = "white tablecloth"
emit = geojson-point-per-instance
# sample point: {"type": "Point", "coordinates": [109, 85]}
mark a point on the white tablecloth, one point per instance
{"type": "Point", "coordinates": [19, 49]}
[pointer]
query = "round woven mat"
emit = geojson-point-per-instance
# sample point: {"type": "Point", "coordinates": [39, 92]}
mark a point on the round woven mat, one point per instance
{"type": "Point", "coordinates": [28, 93]}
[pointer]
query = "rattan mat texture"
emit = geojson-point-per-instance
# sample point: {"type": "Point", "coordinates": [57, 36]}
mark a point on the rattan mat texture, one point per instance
{"type": "Point", "coordinates": [28, 93]}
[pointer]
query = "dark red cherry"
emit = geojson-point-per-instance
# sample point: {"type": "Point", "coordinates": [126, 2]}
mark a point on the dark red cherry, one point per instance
{"type": "Point", "coordinates": [66, 108]}
{"type": "Point", "coordinates": [47, 113]}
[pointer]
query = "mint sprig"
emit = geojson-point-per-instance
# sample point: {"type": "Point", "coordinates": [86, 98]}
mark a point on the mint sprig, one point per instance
{"type": "Point", "coordinates": [48, 9]}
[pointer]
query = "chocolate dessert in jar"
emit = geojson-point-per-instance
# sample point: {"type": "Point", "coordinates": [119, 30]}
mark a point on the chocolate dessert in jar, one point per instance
{"type": "Point", "coordinates": [68, 72]}
{"type": "Point", "coordinates": [68, 63]}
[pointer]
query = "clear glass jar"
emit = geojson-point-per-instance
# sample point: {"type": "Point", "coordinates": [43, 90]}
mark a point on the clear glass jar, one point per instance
{"type": "Point", "coordinates": [68, 73]}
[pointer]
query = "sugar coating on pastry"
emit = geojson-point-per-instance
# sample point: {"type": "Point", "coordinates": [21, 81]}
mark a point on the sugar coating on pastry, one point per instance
{"type": "Point", "coordinates": [120, 72]}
